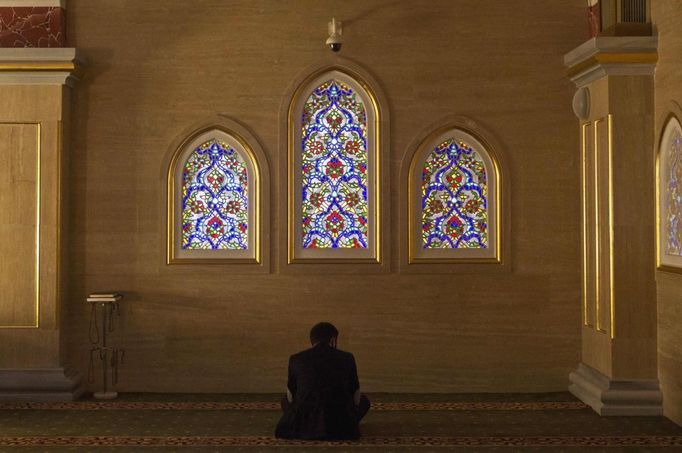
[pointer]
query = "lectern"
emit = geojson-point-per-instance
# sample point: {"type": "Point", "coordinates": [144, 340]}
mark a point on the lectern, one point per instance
{"type": "Point", "coordinates": [110, 357]}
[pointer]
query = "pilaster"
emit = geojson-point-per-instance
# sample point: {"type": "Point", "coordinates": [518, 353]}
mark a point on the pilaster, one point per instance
{"type": "Point", "coordinates": [615, 105]}
{"type": "Point", "coordinates": [35, 91]}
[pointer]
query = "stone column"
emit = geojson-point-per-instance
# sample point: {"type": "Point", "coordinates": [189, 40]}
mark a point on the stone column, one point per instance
{"type": "Point", "coordinates": [615, 104]}
{"type": "Point", "coordinates": [35, 86]}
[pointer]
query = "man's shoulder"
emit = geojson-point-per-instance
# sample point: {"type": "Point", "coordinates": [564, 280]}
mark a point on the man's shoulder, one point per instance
{"type": "Point", "coordinates": [302, 355]}
{"type": "Point", "coordinates": [298, 355]}
{"type": "Point", "coordinates": [311, 353]}
{"type": "Point", "coordinates": [345, 354]}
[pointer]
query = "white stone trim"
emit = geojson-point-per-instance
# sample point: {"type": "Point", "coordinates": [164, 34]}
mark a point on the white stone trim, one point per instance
{"type": "Point", "coordinates": [615, 396]}
{"type": "Point", "coordinates": [600, 70]}
{"type": "Point", "coordinates": [610, 44]}
{"type": "Point", "coordinates": [51, 78]}
{"type": "Point", "coordinates": [29, 3]}
{"type": "Point", "coordinates": [39, 56]}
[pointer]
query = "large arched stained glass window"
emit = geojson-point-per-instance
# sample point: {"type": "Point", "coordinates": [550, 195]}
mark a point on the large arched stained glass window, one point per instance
{"type": "Point", "coordinates": [214, 207]}
{"type": "Point", "coordinates": [670, 197]}
{"type": "Point", "coordinates": [333, 161]}
{"type": "Point", "coordinates": [334, 168]}
{"type": "Point", "coordinates": [453, 200]}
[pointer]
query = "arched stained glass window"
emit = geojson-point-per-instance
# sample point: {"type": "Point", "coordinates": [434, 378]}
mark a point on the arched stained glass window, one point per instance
{"type": "Point", "coordinates": [453, 200]}
{"type": "Point", "coordinates": [213, 211]}
{"type": "Point", "coordinates": [334, 171]}
{"type": "Point", "coordinates": [670, 196]}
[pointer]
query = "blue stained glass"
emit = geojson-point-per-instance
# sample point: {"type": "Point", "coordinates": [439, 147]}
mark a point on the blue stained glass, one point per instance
{"type": "Point", "coordinates": [215, 199]}
{"type": "Point", "coordinates": [674, 195]}
{"type": "Point", "coordinates": [454, 198]}
{"type": "Point", "coordinates": [334, 168]}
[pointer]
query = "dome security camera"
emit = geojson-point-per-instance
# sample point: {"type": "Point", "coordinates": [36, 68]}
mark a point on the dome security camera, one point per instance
{"type": "Point", "coordinates": [334, 46]}
{"type": "Point", "coordinates": [335, 39]}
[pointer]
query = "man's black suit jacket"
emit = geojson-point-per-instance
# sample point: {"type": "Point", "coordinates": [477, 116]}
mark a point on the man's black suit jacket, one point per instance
{"type": "Point", "coordinates": [323, 381]}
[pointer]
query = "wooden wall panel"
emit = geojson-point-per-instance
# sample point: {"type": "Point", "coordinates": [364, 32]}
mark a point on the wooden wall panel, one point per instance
{"type": "Point", "coordinates": [37, 110]}
{"type": "Point", "coordinates": [155, 67]}
{"type": "Point", "coordinates": [19, 223]}
{"type": "Point", "coordinates": [634, 297]}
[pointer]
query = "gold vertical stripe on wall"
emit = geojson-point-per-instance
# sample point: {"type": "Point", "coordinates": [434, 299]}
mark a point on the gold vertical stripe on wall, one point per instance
{"type": "Point", "coordinates": [603, 225]}
{"type": "Point", "coordinates": [612, 302]}
{"type": "Point", "coordinates": [39, 148]}
{"type": "Point", "coordinates": [59, 237]}
{"type": "Point", "coordinates": [585, 143]}
{"type": "Point", "coordinates": [597, 229]}
{"type": "Point", "coordinates": [14, 194]}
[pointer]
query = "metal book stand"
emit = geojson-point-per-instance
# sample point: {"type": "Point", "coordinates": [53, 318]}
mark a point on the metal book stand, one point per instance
{"type": "Point", "coordinates": [110, 357]}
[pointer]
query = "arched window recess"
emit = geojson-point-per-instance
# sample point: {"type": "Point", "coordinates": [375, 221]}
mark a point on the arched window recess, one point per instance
{"type": "Point", "coordinates": [334, 205]}
{"type": "Point", "coordinates": [669, 196]}
{"type": "Point", "coordinates": [454, 203]}
{"type": "Point", "coordinates": [215, 191]}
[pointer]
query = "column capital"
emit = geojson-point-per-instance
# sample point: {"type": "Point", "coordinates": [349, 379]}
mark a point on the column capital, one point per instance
{"type": "Point", "coordinates": [40, 66]}
{"type": "Point", "coordinates": [611, 55]}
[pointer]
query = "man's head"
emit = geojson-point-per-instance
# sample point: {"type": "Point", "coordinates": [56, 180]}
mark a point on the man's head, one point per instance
{"type": "Point", "coordinates": [325, 333]}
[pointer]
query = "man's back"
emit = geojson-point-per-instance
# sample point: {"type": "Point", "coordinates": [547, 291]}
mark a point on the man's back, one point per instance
{"type": "Point", "coordinates": [322, 381]}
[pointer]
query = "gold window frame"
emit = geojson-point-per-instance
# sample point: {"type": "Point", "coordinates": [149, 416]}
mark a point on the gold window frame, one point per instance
{"type": "Point", "coordinates": [664, 261]}
{"type": "Point", "coordinates": [492, 254]}
{"type": "Point", "coordinates": [295, 251]}
{"type": "Point", "coordinates": [253, 253]}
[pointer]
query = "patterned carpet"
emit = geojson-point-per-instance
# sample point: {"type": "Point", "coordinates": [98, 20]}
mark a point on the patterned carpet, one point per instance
{"type": "Point", "coordinates": [479, 422]}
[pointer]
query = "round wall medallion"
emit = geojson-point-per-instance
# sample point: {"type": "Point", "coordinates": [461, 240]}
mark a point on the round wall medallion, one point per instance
{"type": "Point", "coordinates": [581, 103]}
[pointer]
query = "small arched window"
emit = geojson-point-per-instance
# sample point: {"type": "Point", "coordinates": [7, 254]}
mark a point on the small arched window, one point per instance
{"type": "Point", "coordinates": [333, 174]}
{"type": "Point", "coordinates": [670, 196]}
{"type": "Point", "coordinates": [454, 200]}
{"type": "Point", "coordinates": [213, 215]}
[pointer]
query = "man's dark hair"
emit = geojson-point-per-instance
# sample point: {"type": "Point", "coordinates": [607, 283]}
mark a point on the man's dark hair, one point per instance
{"type": "Point", "coordinates": [323, 332]}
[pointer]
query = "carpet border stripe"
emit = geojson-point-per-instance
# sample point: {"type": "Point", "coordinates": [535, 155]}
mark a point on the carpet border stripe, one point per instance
{"type": "Point", "coordinates": [374, 441]}
{"type": "Point", "coordinates": [272, 406]}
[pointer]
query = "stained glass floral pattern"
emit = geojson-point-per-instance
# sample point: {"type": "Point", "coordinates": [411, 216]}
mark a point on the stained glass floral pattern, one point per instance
{"type": "Point", "coordinates": [334, 169]}
{"type": "Point", "coordinates": [215, 199]}
{"type": "Point", "coordinates": [454, 193]}
{"type": "Point", "coordinates": [674, 195]}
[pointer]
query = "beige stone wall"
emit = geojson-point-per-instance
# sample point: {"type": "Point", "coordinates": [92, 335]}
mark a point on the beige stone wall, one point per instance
{"type": "Point", "coordinates": [666, 15]}
{"type": "Point", "coordinates": [156, 67]}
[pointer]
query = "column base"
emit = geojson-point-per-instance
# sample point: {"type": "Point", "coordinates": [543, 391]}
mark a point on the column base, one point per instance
{"type": "Point", "coordinates": [616, 397]}
{"type": "Point", "coordinates": [105, 395]}
{"type": "Point", "coordinates": [38, 385]}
